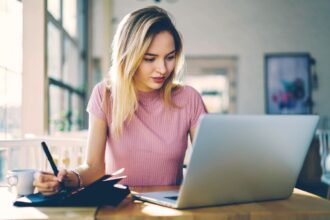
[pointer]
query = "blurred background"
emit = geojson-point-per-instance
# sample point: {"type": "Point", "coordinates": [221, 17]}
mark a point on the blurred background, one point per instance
{"type": "Point", "coordinates": [52, 53]}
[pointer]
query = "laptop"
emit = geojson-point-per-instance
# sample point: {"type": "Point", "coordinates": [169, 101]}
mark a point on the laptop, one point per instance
{"type": "Point", "coordinates": [241, 158]}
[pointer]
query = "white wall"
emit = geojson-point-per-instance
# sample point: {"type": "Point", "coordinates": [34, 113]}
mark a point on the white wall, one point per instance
{"type": "Point", "coordinates": [34, 83]}
{"type": "Point", "coordinates": [248, 29]}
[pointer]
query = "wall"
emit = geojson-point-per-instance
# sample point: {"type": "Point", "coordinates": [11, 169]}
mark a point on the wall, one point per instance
{"type": "Point", "coordinates": [34, 86]}
{"type": "Point", "coordinates": [248, 29]}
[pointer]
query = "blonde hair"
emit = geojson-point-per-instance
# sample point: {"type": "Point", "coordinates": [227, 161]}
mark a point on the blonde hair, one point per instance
{"type": "Point", "coordinates": [131, 41]}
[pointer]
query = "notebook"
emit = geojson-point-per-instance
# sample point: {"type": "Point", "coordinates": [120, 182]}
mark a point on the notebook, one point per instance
{"type": "Point", "coordinates": [104, 191]}
{"type": "Point", "coordinates": [241, 158]}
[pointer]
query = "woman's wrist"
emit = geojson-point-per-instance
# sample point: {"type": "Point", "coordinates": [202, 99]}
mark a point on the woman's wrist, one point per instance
{"type": "Point", "coordinates": [73, 180]}
{"type": "Point", "coordinates": [78, 177]}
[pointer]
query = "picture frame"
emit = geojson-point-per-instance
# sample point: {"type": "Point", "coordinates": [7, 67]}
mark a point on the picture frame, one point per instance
{"type": "Point", "coordinates": [288, 83]}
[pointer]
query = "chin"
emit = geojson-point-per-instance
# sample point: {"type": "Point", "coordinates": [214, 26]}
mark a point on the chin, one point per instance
{"type": "Point", "coordinates": [156, 87]}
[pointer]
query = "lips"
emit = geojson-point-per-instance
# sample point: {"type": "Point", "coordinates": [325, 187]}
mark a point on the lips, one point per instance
{"type": "Point", "coordinates": [158, 80]}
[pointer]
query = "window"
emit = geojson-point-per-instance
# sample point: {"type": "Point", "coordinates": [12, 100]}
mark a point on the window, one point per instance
{"type": "Point", "coordinates": [67, 64]}
{"type": "Point", "coordinates": [10, 68]}
{"type": "Point", "coordinates": [215, 79]}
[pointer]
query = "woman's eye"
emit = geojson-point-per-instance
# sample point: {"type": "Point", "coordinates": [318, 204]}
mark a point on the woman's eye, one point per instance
{"type": "Point", "coordinates": [149, 59]}
{"type": "Point", "coordinates": [170, 57]}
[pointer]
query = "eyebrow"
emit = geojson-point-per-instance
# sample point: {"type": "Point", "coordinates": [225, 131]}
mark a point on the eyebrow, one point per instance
{"type": "Point", "coordinates": [155, 55]}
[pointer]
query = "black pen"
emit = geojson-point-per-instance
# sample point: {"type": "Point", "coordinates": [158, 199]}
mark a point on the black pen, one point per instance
{"type": "Point", "coordinates": [51, 161]}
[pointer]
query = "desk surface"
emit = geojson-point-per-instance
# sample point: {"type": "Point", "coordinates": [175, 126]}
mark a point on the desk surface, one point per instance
{"type": "Point", "coordinates": [8, 211]}
{"type": "Point", "coordinates": [301, 205]}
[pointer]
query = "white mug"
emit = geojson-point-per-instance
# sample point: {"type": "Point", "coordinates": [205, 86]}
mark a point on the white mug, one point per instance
{"type": "Point", "coordinates": [22, 179]}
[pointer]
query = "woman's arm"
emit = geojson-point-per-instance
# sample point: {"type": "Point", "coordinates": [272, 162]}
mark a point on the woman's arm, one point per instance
{"type": "Point", "coordinates": [94, 168]}
{"type": "Point", "coordinates": [192, 132]}
{"type": "Point", "coordinates": [95, 164]}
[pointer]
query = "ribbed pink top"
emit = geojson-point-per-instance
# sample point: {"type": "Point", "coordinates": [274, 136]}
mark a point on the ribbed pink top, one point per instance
{"type": "Point", "coordinates": [153, 144]}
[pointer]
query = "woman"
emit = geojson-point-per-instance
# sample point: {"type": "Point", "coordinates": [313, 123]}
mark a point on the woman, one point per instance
{"type": "Point", "coordinates": [140, 119]}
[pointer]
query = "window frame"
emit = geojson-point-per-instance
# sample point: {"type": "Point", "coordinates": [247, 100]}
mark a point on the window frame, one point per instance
{"type": "Point", "coordinates": [82, 47]}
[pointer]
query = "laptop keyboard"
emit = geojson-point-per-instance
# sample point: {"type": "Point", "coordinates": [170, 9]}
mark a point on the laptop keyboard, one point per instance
{"type": "Point", "coordinates": [172, 197]}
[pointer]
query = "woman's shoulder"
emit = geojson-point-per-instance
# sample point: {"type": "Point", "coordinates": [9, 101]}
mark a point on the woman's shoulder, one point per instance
{"type": "Point", "coordinates": [185, 95]}
{"type": "Point", "coordinates": [103, 86]}
{"type": "Point", "coordinates": [185, 90]}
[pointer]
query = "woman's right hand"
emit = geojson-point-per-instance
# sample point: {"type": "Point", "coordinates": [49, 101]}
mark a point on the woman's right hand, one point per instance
{"type": "Point", "coordinates": [47, 183]}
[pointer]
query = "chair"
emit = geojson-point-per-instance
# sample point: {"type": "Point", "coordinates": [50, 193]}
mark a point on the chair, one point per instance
{"type": "Point", "coordinates": [324, 136]}
{"type": "Point", "coordinates": [27, 153]}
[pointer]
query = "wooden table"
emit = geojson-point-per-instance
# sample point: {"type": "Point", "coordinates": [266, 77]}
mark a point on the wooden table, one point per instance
{"type": "Point", "coordinates": [8, 211]}
{"type": "Point", "coordinates": [301, 205]}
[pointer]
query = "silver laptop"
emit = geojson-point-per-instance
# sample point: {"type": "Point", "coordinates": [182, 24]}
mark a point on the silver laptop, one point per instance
{"type": "Point", "coordinates": [241, 158]}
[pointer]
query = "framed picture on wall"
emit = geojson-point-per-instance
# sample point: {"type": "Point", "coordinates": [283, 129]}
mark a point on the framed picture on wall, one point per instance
{"type": "Point", "coordinates": [288, 83]}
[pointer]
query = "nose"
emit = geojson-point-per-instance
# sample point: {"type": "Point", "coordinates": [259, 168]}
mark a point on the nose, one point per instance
{"type": "Point", "coordinates": [161, 67]}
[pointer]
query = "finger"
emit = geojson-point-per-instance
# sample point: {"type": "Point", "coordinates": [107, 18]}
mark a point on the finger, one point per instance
{"type": "Point", "coordinates": [46, 172]}
{"type": "Point", "coordinates": [39, 173]}
{"type": "Point", "coordinates": [43, 186]}
{"type": "Point", "coordinates": [62, 174]}
{"type": "Point", "coordinates": [48, 190]}
{"type": "Point", "coordinates": [45, 177]}
{"type": "Point", "coordinates": [47, 186]}
{"type": "Point", "coordinates": [48, 193]}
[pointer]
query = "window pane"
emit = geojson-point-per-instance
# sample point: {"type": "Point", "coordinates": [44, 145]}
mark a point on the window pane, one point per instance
{"type": "Point", "coordinates": [54, 52]}
{"type": "Point", "coordinates": [77, 112]}
{"type": "Point", "coordinates": [214, 91]}
{"type": "Point", "coordinates": [10, 69]}
{"type": "Point", "coordinates": [71, 71]}
{"type": "Point", "coordinates": [54, 7]}
{"type": "Point", "coordinates": [70, 18]}
{"type": "Point", "coordinates": [10, 104]}
{"type": "Point", "coordinates": [66, 65]}
{"type": "Point", "coordinates": [11, 35]}
{"type": "Point", "coordinates": [58, 109]}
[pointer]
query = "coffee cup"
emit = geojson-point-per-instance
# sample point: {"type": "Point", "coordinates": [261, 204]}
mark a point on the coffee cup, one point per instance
{"type": "Point", "coordinates": [22, 180]}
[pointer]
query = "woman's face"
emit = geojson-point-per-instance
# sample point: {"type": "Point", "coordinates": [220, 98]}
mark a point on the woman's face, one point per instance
{"type": "Point", "coordinates": [157, 64]}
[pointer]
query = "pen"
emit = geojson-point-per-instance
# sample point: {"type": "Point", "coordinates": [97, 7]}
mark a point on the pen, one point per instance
{"type": "Point", "coordinates": [51, 161]}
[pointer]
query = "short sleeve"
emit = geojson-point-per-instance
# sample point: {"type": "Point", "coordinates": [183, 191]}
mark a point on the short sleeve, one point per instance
{"type": "Point", "coordinates": [95, 102]}
{"type": "Point", "coordinates": [197, 107]}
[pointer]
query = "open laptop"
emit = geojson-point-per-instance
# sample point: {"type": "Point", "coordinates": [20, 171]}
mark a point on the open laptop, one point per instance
{"type": "Point", "coordinates": [241, 158]}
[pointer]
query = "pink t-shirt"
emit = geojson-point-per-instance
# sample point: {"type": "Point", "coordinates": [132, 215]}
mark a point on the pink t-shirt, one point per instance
{"type": "Point", "coordinates": [153, 144]}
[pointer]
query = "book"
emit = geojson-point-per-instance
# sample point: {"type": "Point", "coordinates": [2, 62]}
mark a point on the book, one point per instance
{"type": "Point", "coordinates": [104, 191]}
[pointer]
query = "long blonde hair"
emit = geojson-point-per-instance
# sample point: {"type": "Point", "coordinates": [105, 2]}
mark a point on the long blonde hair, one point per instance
{"type": "Point", "coordinates": [131, 41]}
